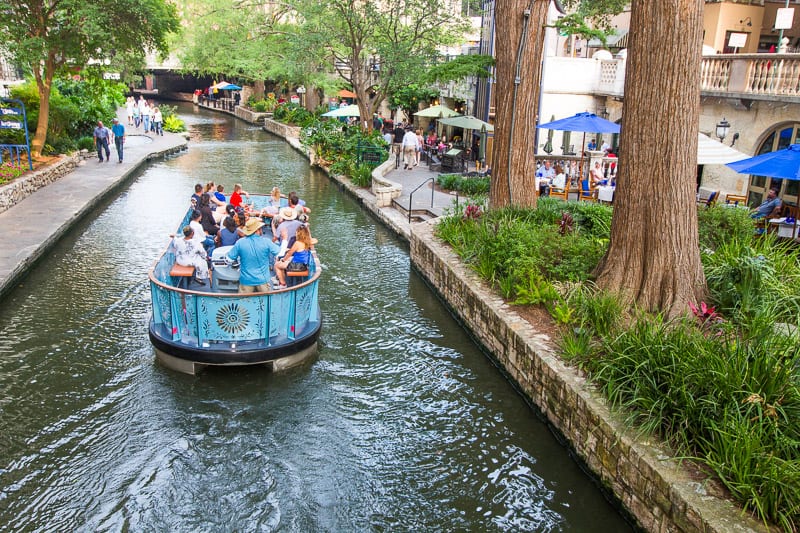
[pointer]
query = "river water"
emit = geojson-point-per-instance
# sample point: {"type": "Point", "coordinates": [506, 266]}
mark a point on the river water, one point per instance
{"type": "Point", "coordinates": [401, 424]}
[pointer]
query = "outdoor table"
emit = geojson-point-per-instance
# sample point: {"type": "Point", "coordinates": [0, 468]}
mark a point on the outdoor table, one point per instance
{"type": "Point", "coordinates": [605, 193]}
{"type": "Point", "coordinates": [786, 230]}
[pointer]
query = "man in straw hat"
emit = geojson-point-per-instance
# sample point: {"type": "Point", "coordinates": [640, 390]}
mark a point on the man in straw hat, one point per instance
{"type": "Point", "coordinates": [253, 253]}
{"type": "Point", "coordinates": [286, 231]}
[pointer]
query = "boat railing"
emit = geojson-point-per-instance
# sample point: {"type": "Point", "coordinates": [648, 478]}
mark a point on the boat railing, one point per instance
{"type": "Point", "coordinates": [205, 319]}
{"type": "Point", "coordinates": [215, 320]}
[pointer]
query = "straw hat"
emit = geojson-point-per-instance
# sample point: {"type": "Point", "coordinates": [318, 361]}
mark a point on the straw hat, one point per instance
{"type": "Point", "coordinates": [287, 213]}
{"type": "Point", "coordinates": [252, 226]}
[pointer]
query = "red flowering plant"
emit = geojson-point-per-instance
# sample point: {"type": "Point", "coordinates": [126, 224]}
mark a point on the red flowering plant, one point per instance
{"type": "Point", "coordinates": [472, 212]}
{"type": "Point", "coordinates": [707, 317]}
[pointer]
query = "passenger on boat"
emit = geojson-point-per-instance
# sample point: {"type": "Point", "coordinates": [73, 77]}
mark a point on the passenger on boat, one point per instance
{"type": "Point", "coordinates": [208, 221]}
{"type": "Point", "coordinates": [198, 190]}
{"type": "Point", "coordinates": [297, 204]}
{"type": "Point", "coordinates": [275, 198]}
{"type": "Point", "coordinates": [253, 254]}
{"type": "Point", "coordinates": [229, 233]}
{"type": "Point", "coordinates": [211, 189]}
{"type": "Point", "coordinates": [189, 252]}
{"type": "Point", "coordinates": [200, 234]}
{"type": "Point", "coordinates": [286, 231]}
{"type": "Point", "coordinates": [220, 194]}
{"type": "Point", "coordinates": [237, 214]}
{"type": "Point", "coordinates": [299, 254]}
{"type": "Point", "coordinates": [236, 197]}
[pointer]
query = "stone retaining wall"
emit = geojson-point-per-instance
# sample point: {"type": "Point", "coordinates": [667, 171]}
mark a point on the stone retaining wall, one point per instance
{"type": "Point", "coordinates": [651, 485]}
{"type": "Point", "coordinates": [385, 190]}
{"type": "Point", "coordinates": [280, 129]}
{"type": "Point", "coordinates": [252, 117]}
{"type": "Point", "coordinates": [21, 188]}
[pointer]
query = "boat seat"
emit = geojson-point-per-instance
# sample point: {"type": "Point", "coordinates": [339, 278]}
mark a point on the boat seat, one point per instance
{"type": "Point", "coordinates": [294, 278]}
{"type": "Point", "coordinates": [185, 274]}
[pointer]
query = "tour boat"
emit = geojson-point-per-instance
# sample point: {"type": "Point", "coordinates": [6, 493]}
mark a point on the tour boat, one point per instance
{"type": "Point", "coordinates": [195, 326]}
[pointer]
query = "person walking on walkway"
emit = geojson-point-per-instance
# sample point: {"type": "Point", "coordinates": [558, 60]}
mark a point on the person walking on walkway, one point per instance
{"type": "Point", "coordinates": [118, 131]}
{"type": "Point", "coordinates": [410, 144]}
{"type": "Point", "coordinates": [158, 121]}
{"type": "Point", "coordinates": [101, 135]}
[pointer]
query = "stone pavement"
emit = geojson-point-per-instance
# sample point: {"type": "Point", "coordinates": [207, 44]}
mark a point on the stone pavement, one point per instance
{"type": "Point", "coordinates": [35, 224]}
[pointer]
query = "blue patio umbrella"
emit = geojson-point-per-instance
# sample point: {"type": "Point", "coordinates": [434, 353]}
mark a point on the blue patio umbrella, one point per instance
{"type": "Point", "coordinates": [231, 87]}
{"type": "Point", "coordinates": [784, 163]}
{"type": "Point", "coordinates": [585, 122]}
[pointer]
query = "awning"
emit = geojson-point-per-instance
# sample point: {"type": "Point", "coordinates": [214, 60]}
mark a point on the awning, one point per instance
{"type": "Point", "coordinates": [711, 152]}
{"type": "Point", "coordinates": [344, 93]}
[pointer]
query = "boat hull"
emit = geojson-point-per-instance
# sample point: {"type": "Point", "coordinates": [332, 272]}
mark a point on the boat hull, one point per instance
{"type": "Point", "coordinates": [189, 360]}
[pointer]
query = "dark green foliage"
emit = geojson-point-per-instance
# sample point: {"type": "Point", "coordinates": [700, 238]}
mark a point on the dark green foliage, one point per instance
{"type": "Point", "coordinates": [469, 186]}
{"type": "Point", "coordinates": [336, 146]}
{"type": "Point", "coordinates": [724, 392]}
{"type": "Point", "coordinates": [294, 114]}
{"type": "Point", "coordinates": [718, 224]}
{"type": "Point", "coordinates": [514, 242]}
{"type": "Point", "coordinates": [75, 108]}
{"type": "Point", "coordinates": [362, 175]}
{"type": "Point", "coordinates": [86, 143]}
{"type": "Point", "coordinates": [731, 400]}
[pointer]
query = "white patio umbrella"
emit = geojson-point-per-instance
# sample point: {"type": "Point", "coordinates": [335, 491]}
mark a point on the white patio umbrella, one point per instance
{"type": "Point", "coordinates": [711, 152]}
{"type": "Point", "coordinates": [346, 111]}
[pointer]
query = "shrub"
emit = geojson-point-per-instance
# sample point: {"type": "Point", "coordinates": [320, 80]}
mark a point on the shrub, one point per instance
{"type": "Point", "coordinates": [86, 143]}
{"type": "Point", "coordinates": [719, 224]}
{"type": "Point", "coordinates": [174, 124]}
{"type": "Point", "coordinates": [362, 175]}
{"type": "Point", "coordinates": [468, 185]}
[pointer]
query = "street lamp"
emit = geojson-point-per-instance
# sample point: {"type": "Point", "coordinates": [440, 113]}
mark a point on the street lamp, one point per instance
{"type": "Point", "coordinates": [722, 129]}
{"type": "Point", "coordinates": [302, 92]}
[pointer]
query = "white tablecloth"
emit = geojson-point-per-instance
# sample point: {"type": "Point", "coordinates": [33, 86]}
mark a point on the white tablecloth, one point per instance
{"type": "Point", "coordinates": [605, 193]}
{"type": "Point", "coordinates": [788, 231]}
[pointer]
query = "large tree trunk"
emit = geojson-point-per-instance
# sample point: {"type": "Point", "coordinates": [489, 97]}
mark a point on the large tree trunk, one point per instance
{"type": "Point", "coordinates": [654, 257]}
{"type": "Point", "coordinates": [44, 82]}
{"type": "Point", "coordinates": [513, 180]}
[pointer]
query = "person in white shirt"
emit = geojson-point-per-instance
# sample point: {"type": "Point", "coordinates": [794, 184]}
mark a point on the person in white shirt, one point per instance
{"type": "Point", "coordinates": [158, 121]}
{"type": "Point", "coordinates": [410, 144]}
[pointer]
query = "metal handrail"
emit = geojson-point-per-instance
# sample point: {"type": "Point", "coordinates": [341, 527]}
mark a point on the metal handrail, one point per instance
{"type": "Point", "coordinates": [411, 196]}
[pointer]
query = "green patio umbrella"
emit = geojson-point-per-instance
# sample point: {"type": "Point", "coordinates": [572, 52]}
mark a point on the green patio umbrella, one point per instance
{"type": "Point", "coordinates": [437, 111]}
{"type": "Point", "coordinates": [467, 122]}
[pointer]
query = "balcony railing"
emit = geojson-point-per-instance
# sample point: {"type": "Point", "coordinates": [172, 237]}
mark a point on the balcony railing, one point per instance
{"type": "Point", "coordinates": [753, 75]}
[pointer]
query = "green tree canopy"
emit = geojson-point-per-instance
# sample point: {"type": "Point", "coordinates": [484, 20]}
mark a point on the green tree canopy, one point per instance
{"type": "Point", "coordinates": [51, 36]}
{"type": "Point", "coordinates": [590, 19]}
{"type": "Point", "coordinates": [461, 67]}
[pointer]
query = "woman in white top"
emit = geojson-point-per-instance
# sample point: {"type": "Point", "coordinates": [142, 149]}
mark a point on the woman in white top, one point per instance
{"type": "Point", "coordinates": [190, 252]}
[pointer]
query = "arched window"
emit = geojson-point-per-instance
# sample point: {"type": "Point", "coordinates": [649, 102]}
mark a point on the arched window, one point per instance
{"type": "Point", "coordinates": [788, 190]}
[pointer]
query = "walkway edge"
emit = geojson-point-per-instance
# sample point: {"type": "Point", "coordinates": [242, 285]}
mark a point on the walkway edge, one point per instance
{"type": "Point", "coordinates": [26, 238]}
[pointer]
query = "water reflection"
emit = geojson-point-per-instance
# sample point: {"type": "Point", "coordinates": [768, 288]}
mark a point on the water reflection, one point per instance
{"type": "Point", "coordinates": [402, 424]}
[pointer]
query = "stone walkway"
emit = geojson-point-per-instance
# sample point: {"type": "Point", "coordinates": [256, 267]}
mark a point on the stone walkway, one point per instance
{"type": "Point", "coordinates": [34, 225]}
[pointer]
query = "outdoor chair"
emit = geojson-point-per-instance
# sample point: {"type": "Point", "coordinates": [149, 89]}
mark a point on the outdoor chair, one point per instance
{"type": "Point", "coordinates": [559, 193]}
{"type": "Point", "coordinates": [711, 200]}
{"type": "Point", "coordinates": [735, 199]}
{"type": "Point", "coordinates": [588, 193]}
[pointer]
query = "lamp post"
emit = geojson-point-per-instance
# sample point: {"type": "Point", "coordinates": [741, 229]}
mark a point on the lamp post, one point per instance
{"type": "Point", "coordinates": [302, 92]}
{"type": "Point", "coordinates": [722, 129]}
